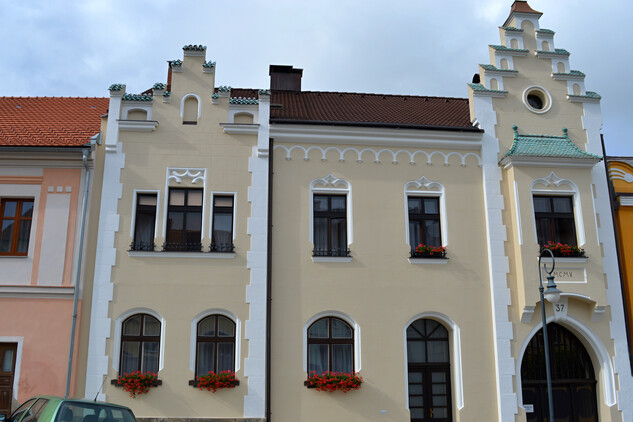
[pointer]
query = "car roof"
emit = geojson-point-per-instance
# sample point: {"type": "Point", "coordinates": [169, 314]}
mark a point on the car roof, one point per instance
{"type": "Point", "coordinates": [75, 400]}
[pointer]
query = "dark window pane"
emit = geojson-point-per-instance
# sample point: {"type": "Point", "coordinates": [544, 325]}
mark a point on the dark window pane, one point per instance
{"type": "Point", "coordinates": [10, 208]}
{"type": "Point", "coordinates": [152, 326]}
{"type": "Point", "coordinates": [320, 329]}
{"type": "Point", "coordinates": [321, 233]}
{"type": "Point", "coordinates": [437, 351]}
{"type": "Point", "coordinates": [27, 209]}
{"type": "Point", "coordinates": [150, 357]}
{"type": "Point", "coordinates": [338, 203]}
{"type": "Point", "coordinates": [206, 327]}
{"type": "Point", "coordinates": [6, 235]}
{"type": "Point", "coordinates": [431, 206]}
{"type": "Point", "coordinates": [432, 233]}
{"type": "Point", "coordinates": [562, 204]}
{"type": "Point", "coordinates": [226, 327]}
{"type": "Point", "coordinates": [130, 352]}
{"type": "Point", "coordinates": [320, 203]}
{"type": "Point", "coordinates": [566, 231]}
{"type": "Point", "coordinates": [415, 205]}
{"type": "Point", "coordinates": [342, 355]}
{"type": "Point", "coordinates": [226, 355]}
{"type": "Point", "coordinates": [542, 204]}
{"type": "Point", "coordinates": [23, 236]}
{"type": "Point", "coordinates": [416, 352]}
{"type": "Point", "coordinates": [340, 329]}
{"type": "Point", "coordinates": [132, 326]}
{"type": "Point", "coordinates": [318, 358]}
{"type": "Point", "coordinates": [206, 358]}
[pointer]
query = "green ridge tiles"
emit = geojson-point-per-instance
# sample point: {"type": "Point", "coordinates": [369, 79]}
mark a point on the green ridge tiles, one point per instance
{"type": "Point", "coordinates": [588, 94]}
{"type": "Point", "coordinates": [558, 52]}
{"type": "Point", "coordinates": [546, 146]}
{"type": "Point", "coordinates": [137, 97]}
{"type": "Point", "coordinates": [208, 64]}
{"type": "Point", "coordinates": [504, 48]}
{"type": "Point", "coordinates": [167, 94]}
{"type": "Point", "coordinates": [496, 69]}
{"type": "Point", "coordinates": [194, 47]}
{"type": "Point", "coordinates": [512, 29]}
{"type": "Point", "coordinates": [215, 96]}
{"type": "Point", "coordinates": [116, 87]}
{"type": "Point", "coordinates": [481, 88]}
{"type": "Point", "coordinates": [243, 101]}
{"type": "Point", "coordinates": [571, 73]}
{"type": "Point", "coordinates": [159, 86]}
{"type": "Point", "coordinates": [264, 92]}
{"type": "Point", "coordinates": [224, 88]}
{"type": "Point", "coordinates": [546, 31]}
{"type": "Point", "coordinates": [175, 63]}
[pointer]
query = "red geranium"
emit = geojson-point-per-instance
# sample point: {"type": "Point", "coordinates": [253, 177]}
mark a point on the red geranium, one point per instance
{"type": "Point", "coordinates": [137, 382]}
{"type": "Point", "coordinates": [213, 381]}
{"type": "Point", "coordinates": [332, 381]}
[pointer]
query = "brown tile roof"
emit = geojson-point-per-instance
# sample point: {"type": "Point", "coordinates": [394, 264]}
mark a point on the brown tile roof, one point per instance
{"type": "Point", "coordinates": [50, 121]}
{"type": "Point", "coordinates": [356, 109]}
{"type": "Point", "coordinates": [521, 6]}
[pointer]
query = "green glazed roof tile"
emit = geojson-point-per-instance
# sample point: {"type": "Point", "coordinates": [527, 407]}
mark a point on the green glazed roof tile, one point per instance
{"type": "Point", "coordinates": [116, 87]}
{"type": "Point", "coordinates": [208, 64]}
{"type": "Point", "coordinates": [167, 94]}
{"type": "Point", "coordinates": [175, 63]}
{"type": "Point", "coordinates": [588, 94]}
{"type": "Point", "coordinates": [224, 88]}
{"type": "Point", "coordinates": [546, 31]}
{"type": "Point", "coordinates": [546, 146]}
{"type": "Point", "coordinates": [215, 96]}
{"type": "Point", "coordinates": [193, 47]}
{"type": "Point", "coordinates": [264, 92]}
{"type": "Point", "coordinates": [243, 101]}
{"type": "Point", "coordinates": [496, 69]}
{"type": "Point", "coordinates": [159, 86]}
{"type": "Point", "coordinates": [558, 51]}
{"type": "Point", "coordinates": [504, 48]}
{"type": "Point", "coordinates": [571, 73]}
{"type": "Point", "coordinates": [137, 97]}
{"type": "Point", "coordinates": [512, 28]}
{"type": "Point", "coordinates": [481, 88]}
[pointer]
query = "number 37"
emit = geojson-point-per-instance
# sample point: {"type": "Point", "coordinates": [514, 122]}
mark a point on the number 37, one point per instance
{"type": "Point", "coordinates": [559, 307]}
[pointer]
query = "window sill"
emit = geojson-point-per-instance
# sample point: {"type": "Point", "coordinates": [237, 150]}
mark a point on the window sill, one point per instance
{"type": "Point", "coordinates": [177, 254]}
{"type": "Point", "coordinates": [14, 256]}
{"type": "Point", "coordinates": [567, 259]}
{"type": "Point", "coordinates": [428, 260]}
{"type": "Point", "coordinates": [331, 259]}
{"type": "Point", "coordinates": [115, 382]}
{"type": "Point", "coordinates": [194, 383]}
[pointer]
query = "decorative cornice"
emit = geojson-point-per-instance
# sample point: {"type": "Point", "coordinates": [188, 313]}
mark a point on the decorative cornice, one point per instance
{"type": "Point", "coordinates": [240, 128]}
{"type": "Point", "coordinates": [137, 125]}
{"type": "Point", "coordinates": [137, 97]}
{"type": "Point", "coordinates": [393, 154]}
{"type": "Point", "coordinates": [195, 174]}
{"type": "Point", "coordinates": [589, 97]}
{"type": "Point", "coordinates": [619, 174]}
{"type": "Point", "coordinates": [44, 292]}
{"type": "Point", "coordinates": [481, 91]}
{"type": "Point", "coordinates": [502, 49]}
{"type": "Point", "coordinates": [556, 54]}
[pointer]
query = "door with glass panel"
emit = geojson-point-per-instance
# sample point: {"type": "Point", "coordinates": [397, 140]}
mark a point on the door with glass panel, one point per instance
{"type": "Point", "coordinates": [7, 370]}
{"type": "Point", "coordinates": [428, 361]}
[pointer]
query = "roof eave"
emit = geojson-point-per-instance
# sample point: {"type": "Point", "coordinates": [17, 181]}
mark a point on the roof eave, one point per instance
{"type": "Point", "coordinates": [377, 124]}
{"type": "Point", "coordinates": [530, 161]}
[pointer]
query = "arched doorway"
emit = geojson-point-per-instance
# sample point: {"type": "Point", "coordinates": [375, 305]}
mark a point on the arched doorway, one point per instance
{"type": "Point", "coordinates": [573, 378]}
{"type": "Point", "coordinates": [428, 362]}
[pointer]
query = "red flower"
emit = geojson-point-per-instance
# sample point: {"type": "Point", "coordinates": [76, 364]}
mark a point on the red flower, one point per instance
{"type": "Point", "coordinates": [332, 381]}
{"type": "Point", "coordinates": [213, 381]}
{"type": "Point", "coordinates": [137, 382]}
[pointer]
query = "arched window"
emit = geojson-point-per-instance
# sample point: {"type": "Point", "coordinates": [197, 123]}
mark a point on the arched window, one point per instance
{"type": "Point", "coordinates": [573, 377]}
{"type": "Point", "coordinates": [545, 46]}
{"type": "Point", "coordinates": [190, 111]}
{"type": "Point", "coordinates": [504, 64]}
{"type": "Point", "coordinates": [330, 346]}
{"type": "Point", "coordinates": [215, 345]}
{"type": "Point", "coordinates": [494, 84]}
{"type": "Point", "coordinates": [560, 67]}
{"type": "Point", "coordinates": [514, 43]}
{"type": "Point", "coordinates": [140, 344]}
{"type": "Point", "coordinates": [577, 90]}
{"type": "Point", "coordinates": [428, 362]}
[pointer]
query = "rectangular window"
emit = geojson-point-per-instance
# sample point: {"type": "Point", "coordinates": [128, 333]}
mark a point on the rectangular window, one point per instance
{"type": "Point", "coordinates": [16, 216]}
{"type": "Point", "coordinates": [184, 220]}
{"type": "Point", "coordinates": [222, 236]}
{"type": "Point", "coordinates": [144, 222]}
{"type": "Point", "coordinates": [424, 221]}
{"type": "Point", "coordinates": [554, 216]}
{"type": "Point", "coordinates": [330, 225]}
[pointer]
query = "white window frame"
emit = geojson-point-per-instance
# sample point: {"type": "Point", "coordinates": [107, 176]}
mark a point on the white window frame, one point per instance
{"type": "Point", "coordinates": [134, 199]}
{"type": "Point", "coordinates": [552, 183]}
{"type": "Point", "coordinates": [222, 193]}
{"type": "Point", "coordinates": [194, 334]}
{"type": "Point", "coordinates": [116, 352]}
{"type": "Point", "coordinates": [182, 104]}
{"type": "Point", "coordinates": [331, 185]}
{"type": "Point", "coordinates": [344, 317]}
{"type": "Point", "coordinates": [424, 187]}
{"type": "Point", "coordinates": [173, 178]}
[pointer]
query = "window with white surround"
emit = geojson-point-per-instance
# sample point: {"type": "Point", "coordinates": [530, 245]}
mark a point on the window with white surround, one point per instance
{"type": "Point", "coordinates": [330, 346]}
{"type": "Point", "coordinates": [144, 221]}
{"type": "Point", "coordinates": [215, 345]}
{"type": "Point", "coordinates": [184, 220]}
{"type": "Point", "coordinates": [140, 344]}
{"type": "Point", "coordinates": [16, 215]}
{"type": "Point", "coordinates": [425, 216]}
{"type": "Point", "coordinates": [330, 218]}
{"type": "Point", "coordinates": [223, 223]}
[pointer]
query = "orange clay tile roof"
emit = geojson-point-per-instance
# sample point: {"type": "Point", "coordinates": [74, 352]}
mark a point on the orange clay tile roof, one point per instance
{"type": "Point", "coordinates": [521, 6]}
{"type": "Point", "coordinates": [50, 121]}
{"type": "Point", "coordinates": [355, 109]}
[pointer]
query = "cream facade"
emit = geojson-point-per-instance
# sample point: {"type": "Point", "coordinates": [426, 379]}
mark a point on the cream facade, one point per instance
{"type": "Point", "coordinates": [171, 254]}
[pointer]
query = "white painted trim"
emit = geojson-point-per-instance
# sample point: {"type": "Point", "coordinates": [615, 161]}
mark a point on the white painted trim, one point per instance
{"type": "Point", "coordinates": [240, 128]}
{"type": "Point", "coordinates": [135, 193]}
{"type": "Point", "coordinates": [18, 361]}
{"type": "Point", "coordinates": [555, 181]}
{"type": "Point", "coordinates": [344, 317]}
{"type": "Point", "coordinates": [391, 154]}
{"type": "Point", "coordinates": [543, 91]}
{"type": "Point", "coordinates": [222, 193]}
{"type": "Point", "coordinates": [626, 201]}
{"type": "Point", "coordinates": [40, 292]}
{"type": "Point", "coordinates": [176, 174]}
{"type": "Point", "coordinates": [517, 208]}
{"type": "Point", "coordinates": [138, 125]}
{"type": "Point", "coordinates": [330, 186]}
{"type": "Point", "coordinates": [456, 356]}
{"type": "Point", "coordinates": [182, 104]}
{"type": "Point", "coordinates": [395, 137]}
{"type": "Point", "coordinates": [599, 351]}
{"type": "Point", "coordinates": [194, 334]}
{"type": "Point", "coordinates": [619, 174]}
{"type": "Point", "coordinates": [511, 161]}
{"type": "Point", "coordinates": [425, 187]}
{"type": "Point", "coordinates": [177, 254]}
{"type": "Point", "coordinates": [562, 259]}
{"type": "Point", "coordinates": [331, 259]}
{"type": "Point", "coordinates": [428, 260]}
{"type": "Point", "coordinates": [116, 351]}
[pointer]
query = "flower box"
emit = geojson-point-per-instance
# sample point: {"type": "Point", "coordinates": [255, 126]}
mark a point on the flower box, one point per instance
{"type": "Point", "coordinates": [561, 250]}
{"type": "Point", "coordinates": [137, 382]}
{"type": "Point", "coordinates": [213, 382]}
{"type": "Point", "coordinates": [334, 381]}
{"type": "Point", "coordinates": [424, 251]}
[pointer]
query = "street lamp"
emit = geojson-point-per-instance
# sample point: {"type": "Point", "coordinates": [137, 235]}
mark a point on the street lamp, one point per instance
{"type": "Point", "coordinates": [552, 294]}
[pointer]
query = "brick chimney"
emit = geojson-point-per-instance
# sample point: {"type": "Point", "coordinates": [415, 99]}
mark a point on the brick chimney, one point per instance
{"type": "Point", "coordinates": [285, 78]}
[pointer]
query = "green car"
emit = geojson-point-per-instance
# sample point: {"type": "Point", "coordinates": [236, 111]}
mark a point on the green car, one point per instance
{"type": "Point", "coordinates": [56, 409]}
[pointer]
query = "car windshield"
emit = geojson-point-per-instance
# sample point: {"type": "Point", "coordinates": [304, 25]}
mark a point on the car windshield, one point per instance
{"type": "Point", "coordinates": [92, 412]}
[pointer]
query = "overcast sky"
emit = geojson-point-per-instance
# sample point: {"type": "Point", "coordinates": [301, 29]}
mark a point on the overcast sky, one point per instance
{"type": "Point", "coordinates": [416, 47]}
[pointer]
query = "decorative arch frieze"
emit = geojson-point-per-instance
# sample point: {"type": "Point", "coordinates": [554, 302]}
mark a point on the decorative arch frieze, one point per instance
{"type": "Point", "coordinates": [376, 154]}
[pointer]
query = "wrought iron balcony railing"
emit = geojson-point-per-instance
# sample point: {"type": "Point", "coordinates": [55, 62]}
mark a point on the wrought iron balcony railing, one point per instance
{"type": "Point", "coordinates": [344, 252]}
{"type": "Point", "coordinates": [415, 254]}
{"type": "Point", "coordinates": [142, 246]}
{"type": "Point", "coordinates": [222, 247]}
{"type": "Point", "coordinates": [182, 247]}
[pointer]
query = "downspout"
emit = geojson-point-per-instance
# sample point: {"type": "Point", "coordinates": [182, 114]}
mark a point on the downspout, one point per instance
{"type": "Point", "coordinates": [269, 260]}
{"type": "Point", "coordinates": [613, 204]}
{"type": "Point", "coordinates": [78, 274]}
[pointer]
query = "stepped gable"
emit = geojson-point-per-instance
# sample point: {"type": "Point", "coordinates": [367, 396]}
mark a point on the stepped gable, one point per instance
{"type": "Point", "coordinates": [50, 121]}
{"type": "Point", "coordinates": [377, 110]}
